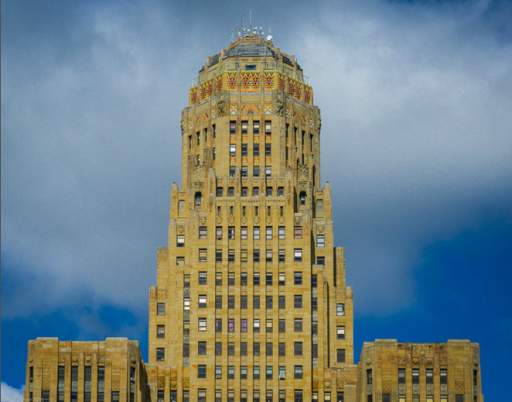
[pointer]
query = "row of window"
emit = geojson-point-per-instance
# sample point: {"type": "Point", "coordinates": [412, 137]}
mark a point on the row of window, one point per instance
{"type": "Point", "coordinates": [298, 372]}
{"type": "Point", "coordinates": [269, 191]}
{"type": "Point", "coordinates": [298, 396]}
{"type": "Point", "coordinates": [202, 278]}
{"type": "Point", "coordinates": [255, 149]}
{"type": "Point", "coordinates": [256, 233]}
{"type": "Point", "coordinates": [256, 255]}
{"type": "Point", "coordinates": [244, 126]}
{"type": "Point", "coordinates": [297, 301]}
{"type": "Point", "coordinates": [244, 171]}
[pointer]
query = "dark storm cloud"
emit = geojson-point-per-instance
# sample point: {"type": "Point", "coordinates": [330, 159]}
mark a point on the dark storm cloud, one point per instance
{"type": "Point", "coordinates": [416, 123]}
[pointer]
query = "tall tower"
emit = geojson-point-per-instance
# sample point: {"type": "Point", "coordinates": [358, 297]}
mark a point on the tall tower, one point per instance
{"type": "Point", "coordinates": [251, 302]}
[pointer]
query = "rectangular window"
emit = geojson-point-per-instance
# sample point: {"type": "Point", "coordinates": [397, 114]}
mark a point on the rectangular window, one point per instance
{"type": "Point", "coordinates": [268, 373]}
{"type": "Point", "coordinates": [231, 232]}
{"type": "Point", "coordinates": [297, 254]}
{"type": "Point", "coordinates": [231, 372]}
{"type": "Point", "coordinates": [243, 279]}
{"type": "Point", "coordinates": [281, 231]}
{"type": "Point", "coordinates": [340, 309]}
{"type": "Point", "coordinates": [256, 255]}
{"type": "Point", "coordinates": [282, 325]}
{"type": "Point", "coordinates": [268, 149]}
{"type": "Point", "coordinates": [218, 372]}
{"type": "Point", "coordinates": [218, 348]}
{"type": "Point", "coordinates": [256, 127]}
{"type": "Point", "coordinates": [244, 149]}
{"type": "Point", "coordinates": [231, 349]}
{"type": "Point", "coordinates": [243, 233]}
{"type": "Point", "coordinates": [218, 277]}
{"type": "Point", "coordinates": [218, 324]}
{"type": "Point", "coordinates": [201, 371]}
{"type": "Point", "coordinates": [243, 347]}
{"type": "Point", "coordinates": [297, 371]}
{"type": "Point", "coordinates": [231, 255]}
{"type": "Point", "coordinates": [269, 326]}
{"type": "Point", "coordinates": [202, 278]}
{"type": "Point", "coordinates": [256, 325]}
{"type": "Point", "coordinates": [268, 255]}
{"type": "Point", "coordinates": [282, 302]}
{"type": "Point", "coordinates": [160, 331]}
{"type": "Point", "coordinates": [231, 325]}
{"type": "Point", "coordinates": [202, 302]}
{"type": "Point", "coordinates": [268, 348]}
{"type": "Point", "coordinates": [101, 384]}
{"type": "Point", "coordinates": [282, 372]}
{"type": "Point", "coordinates": [268, 127]}
{"type": "Point", "coordinates": [74, 383]}
{"type": "Point", "coordinates": [268, 233]}
{"type": "Point", "coordinates": [282, 255]}
{"type": "Point", "coordinates": [160, 354]}
{"type": "Point", "coordinates": [232, 171]}
{"type": "Point", "coordinates": [87, 383]}
{"type": "Point", "coordinates": [203, 255]}
{"type": "Point", "coordinates": [415, 375]}
{"type": "Point", "coordinates": [203, 232]}
{"type": "Point", "coordinates": [320, 240]}
{"type": "Point", "coordinates": [160, 309]}
{"type": "Point", "coordinates": [320, 260]}
{"type": "Point", "coordinates": [297, 232]}
{"type": "Point", "coordinates": [297, 278]}
{"type": "Point", "coordinates": [256, 279]}
{"type": "Point", "coordinates": [231, 299]}
{"type": "Point", "coordinates": [232, 149]}
{"type": "Point", "coordinates": [340, 355]}
{"type": "Point", "coordinates": [256, 348]}
{"type": "Point", "coordinates": [282, 348]}
{"type": "Point", "coordinates": [369, 377]}
{"type": "Point", "coordinates": [256, 233]}
{"type": "Point", "coordinates": [243, 325]}
{"type": "Point", "coordinates": [256, 173]}
{"type": "Point", "coordinates": [201, 324]}
{"type": "Point", "coordinates": [297, 301]}
{"type": "Point", "coordinates": [61, 379]}
{"type": "Point", "coordinates": [268, 171]}
{"type": "Point", "coordinates": [232, 127]}
{"type": "Point", "coordinates": [115, 396]}
{"type": "Point", "coordinates": [244, 126]}
{"type": "Point", "coordinates": [201, 348]}
{"type": "Point", "coordinates": [297, 348]}
{"type": "Point", "coordinates": [268, 302]}
{"type": "Point", "coordinates": [218, 255]}
{"type": "Point", "coordinates": [256, 372]}
{"type": "Point", "coordinates": [256, 302]}
{"type": "Point", "coordinates": [340, 332]}
{"type": "Point", "coordinates": [180, 241]}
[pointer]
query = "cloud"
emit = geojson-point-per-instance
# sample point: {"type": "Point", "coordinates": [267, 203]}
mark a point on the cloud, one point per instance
{"type": "Point", "coordinates": [10, 394]}
{"type": "Point", "coordinates": [415, 103]}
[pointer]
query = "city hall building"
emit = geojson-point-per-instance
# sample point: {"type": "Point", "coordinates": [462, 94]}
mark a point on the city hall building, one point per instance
{"type": "Point", "coordinates": [250, 301]}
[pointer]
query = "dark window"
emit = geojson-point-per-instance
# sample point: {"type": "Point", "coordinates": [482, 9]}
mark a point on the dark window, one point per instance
{"type": "Point", "coordinates": [201, 371]}
{"type": "Point", "coordinates": [297, 301]}
{"type": "Point", "coordinates": [160, 354]}
{"type": "Point", "coordinates": [218, 348]}
{"type": "Point", "coordinates": [297, 348]}
{"type": "Point", "coordinates": [201, 348]}
{"type": "Point", "coordinates": [340, 355]}
{"type": "Point", "coordinates": [282, 349]}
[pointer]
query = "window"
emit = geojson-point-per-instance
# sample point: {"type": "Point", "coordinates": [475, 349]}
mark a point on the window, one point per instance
{"type": "Point", "coordinates": [201, 348]}
{"type": "Point", "coordinates": [327, 396]}
{"type": "Point", "coordinates": [203, 255]}
{"type": "Point", "coordinates": [268, 127]}
{"type": "Point", "coordinates": [268, 191]}
{"type": "Point", "coordinates": [281, 232]}
{"type": "Point", "coordinates": [268, 232]}
{"type": "Point", "coordinates": [282, 302]}
{"type": "Point", "coordinates": [256, 233]}
{"type": "Point", "coordinates": [282, 278]}
{"type": "Point", "coordinates": [269, 325]}
{"type": "Point", "coordinates": [244, 172]}
{"type": "Point", "coordinates": [297, 232]}
{"type": "Point", "coordinates": [282, 372]}
{"type": "Point", "coordinates": [218, 232]}
{"type": "Point", "coordinates": [268, 302]}
{"type": "Point", "coordinates": [256, 127]}
{"type": "Point", "coordinates": [202, 301]}
{"type": "Point", "coordinates": [218, 256]}
{"type": "Point", "coordinates": [160, 354]}
{"type": "Point", "coordinates": [256, 302]}
{"type": "Point", "coordinates": [231, 232]}
{"type": "Point", "coordinates": [232, 171]}
{"type": "Point", "coordinates": [201, 324]}
{"type": "Point", "coordinates": [243, 280]}
{"type": "Point", "coordinates": [282, 255]}
{"type": "Point", "coordinates": [268, 171]}
{"type": "Point", "coordinates": [297, 348]}
{"type": "Point", "coordinates": [231, 349]}
{"type": "Point", "coordinates": [256, 348]}
{"type": "Point", "coordinates": [256, 255]}
{"type": "Point", "coordinates": [180, 241]}
{"type": "Point", "coordinates": [201, 371]}
{"type": "Point", "coordinates": [340, 355]}
{"type": "Point", "coordinates": [186, 303]}
{"type": "Point", "coordinates": [243, 255]}
{"type": "Point", "coordinates": [280, 191]}
{"type": "Point", "coordinates": [297, 324]}
{"type": "Point", "coordinates": [101, 384]}
{"type": "Point", "coordinates": [256, 325]}
{"type": "Point", "coordinates": [255, 191]}
{"type": "Point", "coordinates": [302, 198]}
{"type": "Point", "coordinates": [243, 325]}
{"type": "Point", "coordinates": [231, 258]}
{"type": "Point", "coordinates": [340, 396]}
{"type": "Point", "coordinates": [256, 372]}
{"type": "Point", "coordinates": [160, 309]}
{"type": "Point", "coordinates": [320, 260]}
{"type": "Point", "coordinates": [243, 347]}
{"type": "Point", "coordinates": [282, 348]}
{"type": "Point", "coordinates": [282, 325]}
{"type": "Point", "coordinates": [429, 376]}
{"type": "Point", "coordinates": [232, 149]}
{"type": "Point", "coordinates": [340, 309]}
{"type": "Point", "coordinates": [218, 348]}
{"type": "Point", "coordinates": [320, 240]}
{"type": "Point", "coordinates": [231, 299]}
{"type": "Point", "coordinates": [232, 127]}
{"type": "Point", "coordinates": [297, 278]}
{"type": "Point", "coordinates": [203, 233]}
{"type": "Point", "coordinates": [268, 149]}
{"type": "Point", "coordinates": [244, 149]}
{"type": "Point", "coordinates": [160, 331]}
{"type": "Point", "coordinates": [297, 301]}
{"type": "Point", "coordinates": [218, 372]}
{"type": "Point", "coordinates": [459, 398]}
{"type": "Point", "coordinates": [415, 375]}
{"type": "Point", "coordinates": [174, 396]}
{"type": "Point", "coordinates": [369, 377]}
{"type": "Point", "coordinates": [218, 301]}
{"type": "Point", "coordinates": [202, 278]}
{"type": "Point", "coordinates": [243, 233]}
{"type": "Point", "coordinates": [268, 348]}
{"type": "Point", "coordinates": [244, 127]}
{"type": "Point", "coordinates": [297, 371]}
{"type": "Point", "coordinates": [231, 372]}
{"type": "Point", "coordinates": [115, 396]}
{"type": "Point", "coordinates": [340, 332]}
{"type": "Point", "coordinates": [256, 279]}
{"type": "Point", "coordinates": [297, 254]}
{"type": "Point", "coordinates": [61, 378]}
{"type": "Point", "coordinates": [231, 325]}
{"type": "Point", "coordinates": [268, 373]}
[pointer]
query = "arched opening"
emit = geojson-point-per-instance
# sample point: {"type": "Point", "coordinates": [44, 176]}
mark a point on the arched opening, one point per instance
{"type": "Point", "coordinates": [197, 199]}
{"type": "Point", "coordinates": [302, 198]}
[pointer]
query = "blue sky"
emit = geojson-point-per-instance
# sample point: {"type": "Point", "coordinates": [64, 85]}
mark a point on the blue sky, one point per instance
{"type": "Point", "coordinates": [415, 99]}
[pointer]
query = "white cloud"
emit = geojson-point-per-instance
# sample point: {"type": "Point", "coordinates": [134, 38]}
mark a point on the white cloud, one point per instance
{"type": "Point", "coordinates": [10, 394]}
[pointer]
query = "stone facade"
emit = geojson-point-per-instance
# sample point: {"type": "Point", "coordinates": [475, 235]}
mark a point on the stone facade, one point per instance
{"type": "Point", "coordinates": [250, 302]}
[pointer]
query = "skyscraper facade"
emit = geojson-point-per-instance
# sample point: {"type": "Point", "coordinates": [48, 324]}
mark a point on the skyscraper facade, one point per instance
{"type": "Point", "coordinates": [250, 302]}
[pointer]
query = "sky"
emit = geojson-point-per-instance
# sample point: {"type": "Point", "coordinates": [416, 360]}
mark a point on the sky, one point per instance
{"type": "Point", "coordinates": [416, 101]}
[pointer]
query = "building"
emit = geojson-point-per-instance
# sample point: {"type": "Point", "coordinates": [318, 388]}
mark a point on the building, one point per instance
{"type": "Point", "coordinates": [250, 302]}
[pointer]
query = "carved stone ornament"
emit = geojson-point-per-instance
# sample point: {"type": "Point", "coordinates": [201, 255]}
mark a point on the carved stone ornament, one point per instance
{"type": "Point", "coordinates": [202, 220]}
{"type": "Point", "coordinates": [180, 229]}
